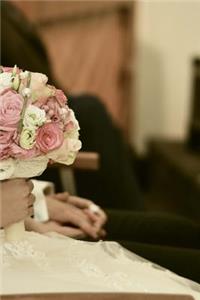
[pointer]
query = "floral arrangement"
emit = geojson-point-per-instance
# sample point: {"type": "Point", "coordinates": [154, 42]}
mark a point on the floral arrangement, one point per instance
{"type": "Point", "coordinates": [36, 124]}
{"type": "Point", "coordinates": [36, 127]}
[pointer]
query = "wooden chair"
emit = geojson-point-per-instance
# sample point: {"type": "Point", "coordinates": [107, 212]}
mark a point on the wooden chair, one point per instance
{"type": "Point", "coordinates": [89, 161]}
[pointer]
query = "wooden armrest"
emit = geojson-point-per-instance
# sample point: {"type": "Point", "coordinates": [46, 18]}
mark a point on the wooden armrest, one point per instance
{"type": "Point", "coordinates": [84, 161]}
{"type": "Point", "coordinates": [87, 160]}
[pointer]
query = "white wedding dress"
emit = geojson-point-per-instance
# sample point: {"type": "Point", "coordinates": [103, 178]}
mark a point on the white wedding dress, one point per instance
{"type": "Point", "coordinates": [53, 263]}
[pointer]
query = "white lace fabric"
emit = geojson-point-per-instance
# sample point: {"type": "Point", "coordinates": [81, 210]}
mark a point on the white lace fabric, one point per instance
{"type": "Point", "coordinates": [53, 263]}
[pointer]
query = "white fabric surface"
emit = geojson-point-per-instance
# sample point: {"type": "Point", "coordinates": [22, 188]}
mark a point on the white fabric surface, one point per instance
{"type": "Point", "coordinates": [54, 263]}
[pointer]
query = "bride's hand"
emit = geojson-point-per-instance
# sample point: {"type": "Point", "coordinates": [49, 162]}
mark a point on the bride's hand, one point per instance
{"type": "Point", "coordinates": [52, 226]}
{"type": "Point", "coordinates": [16, 200]}
{"type": "Point", "coordinates": [96, 215]}
{"type": "Point", "coordinates": [68, 214]}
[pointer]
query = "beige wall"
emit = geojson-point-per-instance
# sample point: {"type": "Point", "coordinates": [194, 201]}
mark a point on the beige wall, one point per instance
{"type": "Point", "coordinates": [167, 36]}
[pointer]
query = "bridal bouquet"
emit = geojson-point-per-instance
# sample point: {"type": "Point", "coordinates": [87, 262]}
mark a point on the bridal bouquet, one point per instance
{"type": "Point", "coordinates": [36, 125]}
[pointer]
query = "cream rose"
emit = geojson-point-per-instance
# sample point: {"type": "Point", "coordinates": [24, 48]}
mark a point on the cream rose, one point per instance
{"type": "Point", "coordinates": [16, 82]}
{"type": "Point", "coordinates": [27, 138]}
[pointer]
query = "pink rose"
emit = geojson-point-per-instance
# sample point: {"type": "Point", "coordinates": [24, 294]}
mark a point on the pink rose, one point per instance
{"type": "Point", "coordinates": [4, 151]}
{"type": "Point", "coordinates": [53, 109]}
{"type": "Point", "coordinates": [5, 141]}
{"type": "Point", "coordinates": [10, 69]}
{"type": "Point", "coordinates": [7, 69]}
{"type": "Point", "coordinates": [16, 151]}
{"type": "Point", "coordinates": [6, 137]}
{"type": "Point", "coordinates": [49, 137]}
{"type": "Point", "coordinates": [11, 105]}
{"type": "Point", "coordinates": [61, 98]}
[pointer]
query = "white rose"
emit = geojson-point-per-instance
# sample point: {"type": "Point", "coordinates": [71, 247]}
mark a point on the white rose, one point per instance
{"type": "Point", "coordinates": [74, 145]}
{"type": "Point", "coordinates": [38, 81]}
{"type": "Point", "coordinates": [74, 120]}
{"type": "Point", "coordinates": [38, 85]}
{"type": "Point", "coordinates": [70, 158]}
{"type": "Point", "coordinates": [7, 168]}
{"type": "Point", "coordinates": [66, 153]}
{"type": "Point", "coordinates": [24, 75]}
{"type": "Point", "coordinates": [5, 80]}
{"type": "Point", "coordinates": [73, 134]}
{"type": "Point", "coordinates": [72, 131]}
{"type": "Point", "coordinates": [34, 117]}
{"type": "Point", "coordinates": [27, 138]}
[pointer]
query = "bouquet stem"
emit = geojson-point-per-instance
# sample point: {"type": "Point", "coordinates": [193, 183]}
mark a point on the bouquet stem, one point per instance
{"type": "Point", "coordinates": [15, 232]}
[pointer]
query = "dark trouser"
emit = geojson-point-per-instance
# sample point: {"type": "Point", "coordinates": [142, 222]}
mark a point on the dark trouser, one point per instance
{"type": "Point", "coordinates": [168, 240]}
{"type": "Point", "coordinates": [114, 184]}
{"type": "Point", "coordinates": [183, 261]}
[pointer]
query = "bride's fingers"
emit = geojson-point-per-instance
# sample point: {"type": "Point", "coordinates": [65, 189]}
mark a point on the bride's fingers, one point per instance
{"type": "Point", "coordinates": [97, 222]}
{"type": "Point", "coordinates": [79, 202]}
{"type": "Point", "coordinates": [83, 203]}
{"type": "Point", "coordinates": [94, 218]}
{"type": "Point", "coordinates": [99, 218]}
{"type": "Point", "coordinates": [62, 196]}
{"type": "Point", "coordinates": [30, 184]}
{"type": "Point", "coordinates": [66, 213]}
{"type": "Point", "coordinates": [71, 232]}
{"type": "Point", "coordinates": [79, 219]}
{"type": "Point", "coordinates": [31, 200]}
{"type": "Point", "coordinates": [86, 204]}
{"type": "Point", "coordinates": [52, 226]}
{"type": "Point", "coordinates": [30, 210]}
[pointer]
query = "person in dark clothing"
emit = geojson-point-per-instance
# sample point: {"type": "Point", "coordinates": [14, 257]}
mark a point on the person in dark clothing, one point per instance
{"type": "Point", "coordinates": [170, 241]}
{"type": "Point", "coordinates": [115, 179]}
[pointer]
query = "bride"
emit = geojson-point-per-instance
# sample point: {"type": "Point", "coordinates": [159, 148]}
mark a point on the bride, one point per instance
{"type": "Point", "coordinates": [53, 263]}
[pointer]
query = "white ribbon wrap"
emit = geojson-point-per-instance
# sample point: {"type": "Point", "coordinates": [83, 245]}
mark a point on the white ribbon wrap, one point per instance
{"type": "Point", "coordinates": [41, 189]}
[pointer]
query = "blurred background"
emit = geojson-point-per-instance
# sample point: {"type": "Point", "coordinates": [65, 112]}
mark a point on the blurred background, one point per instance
{"type": "Point", "coordinates": [142, 58]}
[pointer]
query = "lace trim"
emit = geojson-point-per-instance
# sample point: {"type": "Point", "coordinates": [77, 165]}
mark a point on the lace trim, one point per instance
{"type": "Point", "coordinates": [22, 251]}
{"type": "Point", "coordinates": [118, 281]}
